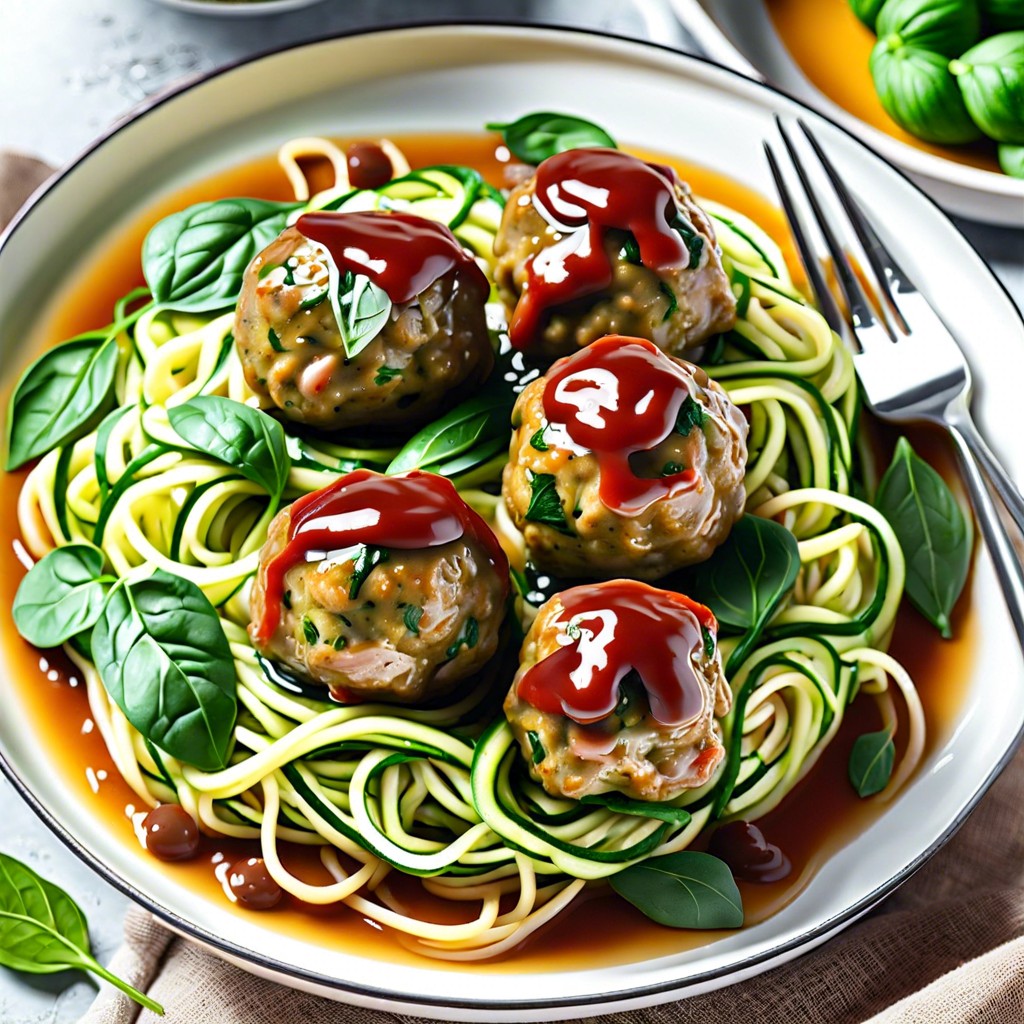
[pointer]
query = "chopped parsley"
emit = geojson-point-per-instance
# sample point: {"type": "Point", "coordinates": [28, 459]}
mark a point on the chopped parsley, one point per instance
{"type": "Point", "coordinates": [386, 373]}
{"type": "Point", "coordinates": [572, 631]}
{"type": "Point", "coordinates": [536, 747]}
{"type": "Point", "coordinates": [672, 468]}
{"type": "Point", "coordinates": [673, 302]}
{"type": "Point", "coordinates": [339, 643]}
{"type": "Point", "coordinates": [413, 614]}
{"type": "Point", "coordinates": [468, 639]}
{"type": "Point", "coordinates": [693, 241]}
{"type": "Point", "coordinates": [630, 251]}
{"type": "Point", "coordinates": [275, 341]}
{"type": "Point", "coordinates": [538, 442]}
{"type": "Point", "coordinates": [286, 599]}
{"type": "Point", "coordinates": [709, 641]}
{"type": "Point", "coordinates": [690, 415]}
{"type": "Point", "coordinates": [368, 558]}
{"type": "Point", "coordinates": [309, 630]}
{"type": "Point", "coordinates": [545, 505]}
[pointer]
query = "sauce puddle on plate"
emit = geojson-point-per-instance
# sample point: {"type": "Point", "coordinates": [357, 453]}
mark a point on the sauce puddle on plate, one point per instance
{"type": "Point", "coordinates": [821, 816]}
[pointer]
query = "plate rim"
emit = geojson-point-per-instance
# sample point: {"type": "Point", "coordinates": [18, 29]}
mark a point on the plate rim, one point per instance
{"type": "Point", "coordinates": [680, 987]}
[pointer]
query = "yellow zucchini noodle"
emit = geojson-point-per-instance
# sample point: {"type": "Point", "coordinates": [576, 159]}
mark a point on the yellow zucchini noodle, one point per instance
{"type": "Point", "coordinates": [440, 792]}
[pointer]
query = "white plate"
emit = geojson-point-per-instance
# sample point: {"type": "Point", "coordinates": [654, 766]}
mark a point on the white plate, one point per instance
{"type": "Point", "coordinates": [457, 78]}
{"type": "Point", "coordinates": [742, 36]}
{"type": "Point", "coordinates": [238, 8]}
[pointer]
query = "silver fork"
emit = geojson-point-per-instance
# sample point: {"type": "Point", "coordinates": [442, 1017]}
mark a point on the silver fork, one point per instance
{"type": "Point", "coordinates": [910, 367]}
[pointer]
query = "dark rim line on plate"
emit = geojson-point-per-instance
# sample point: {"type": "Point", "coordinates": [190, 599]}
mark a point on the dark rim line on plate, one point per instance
{"type": "Point", "coordinates": [806, 940]}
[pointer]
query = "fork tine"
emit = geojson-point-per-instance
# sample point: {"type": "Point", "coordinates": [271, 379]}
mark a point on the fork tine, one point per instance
{"type": "Point", "coordinates": [856, 298]}
{"type": "Point", "coordinates": [819, 286]}
{"type": "Point", "coordinates": [888, 272]}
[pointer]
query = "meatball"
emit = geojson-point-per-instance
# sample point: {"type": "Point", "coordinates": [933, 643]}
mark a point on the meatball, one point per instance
{"type": "Point", "coordinates": [432, 348]}
{"type": "Point", "coordinates": [382, 588]}
{"type": "Point", "coordinates": [624, 461]}
{"type": "Point", "coordinates": [618, 688]}
{"type": "Point", "coordinates": [598, 242]}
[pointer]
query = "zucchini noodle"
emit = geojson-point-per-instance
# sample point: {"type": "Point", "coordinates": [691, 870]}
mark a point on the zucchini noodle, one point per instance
{"type": "Point", "coordinates": [442, 793]}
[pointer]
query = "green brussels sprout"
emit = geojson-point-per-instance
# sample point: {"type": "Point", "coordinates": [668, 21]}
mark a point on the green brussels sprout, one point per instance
{"type": "Point", "coordinates": [919, 93]}
{"type": "Point", "coordinates": [866, 10]}
{"type": "Point", "coordinates": [1011, 159]}
{"type": "Point", "coordinates": [991, 78]}
{"type": "Point", "coordinates": [1002, 15]}
{"type": "Point", "coordinates": [943, 26]}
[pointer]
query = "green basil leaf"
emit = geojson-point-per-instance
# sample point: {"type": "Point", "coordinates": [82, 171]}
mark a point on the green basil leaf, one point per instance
{"type": "Point", "coordinates": [412, 617]}
{"type": "Point", "coordinates": [360, 307]}
{"type": "Point", "coordinates": [991, 79]}
{"type": "Point", "coordinates": [470, 428]}
{"type": "Point", "coordinates": [194, 260]}
{"type": "Point", "coordinates": [536, 747]}
{"type": "Point", "coordinates": [367, 559]}
{"type": "Point", "coordinates": [748, 576]}
{"type": "Point", "coordinates": [1011, 159]}
{"type": "Point", "coordinates": [535, 137]}
{"type": "Point", "coordinates": [920, 94]}
{"type": "Point", "coordinates": [691, 414]}
{"type": "Point", "coordinates": [871, 761]}
{"type": "Point", "coordinates": [60, 396]}
{"type": "Point", "coordinates": [60, 596]}
{"type": "Point", "coordinates": [249, 441]}
{"type": "Point", "coordinates": [545, 504]}
{"type": "Point", "coordinates": [935, 535]}
{"type": "Point", "coordinates": [43, 930]}
{"type": "Point", "coordinates": [161, 652]}
{"type": "Point", "coordinates": [385, 374]}
{"type": "Point", "coordinates": [866, 10]}
{"type": "Point", "coordinates": [940, 26]}
{"type": "Point", "coordinates": [309, 630]}
{"type": "Point", "coordinates": [537, 442]}
{"type": "Point", "coordinates": [683, 890]}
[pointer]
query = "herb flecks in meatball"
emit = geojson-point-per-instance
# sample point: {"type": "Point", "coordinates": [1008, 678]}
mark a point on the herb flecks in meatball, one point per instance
{"type": "Point", "coordinates": [382, 588]}
{"type": "Point", "coordinates": [618, 690]}
{"type": "Point", "coordinates": [426, 347]}
{"type": "Point", "coordinates": [624, 462]}
{"type": "Point", "coordinates": [599, 242]}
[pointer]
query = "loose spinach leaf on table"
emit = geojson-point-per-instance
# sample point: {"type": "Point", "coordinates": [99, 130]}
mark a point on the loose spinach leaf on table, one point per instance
{"type": "Point", "coordinates": [535, 137]}
{"type": "Point", "coordinates": [871, 761]}
{"type": "Point", "coordinates": [683, 890]}
{"type": "Point", "coordinates": [162, 655]}
{"type": "Point", "coordinates": [194, 260]}
{"type": "Point", "coordinates": [61, 596]}
{"type": "Point", "coordinates": [43, 930]}
{"type": "Point", "coordinates": [360, 307]}
{"type": "Point", "coordinates": [747, 578]}
{"type": "Point", "coordinates": [935, 535]}
{"type": "Point", "coordinates": [248, 440]}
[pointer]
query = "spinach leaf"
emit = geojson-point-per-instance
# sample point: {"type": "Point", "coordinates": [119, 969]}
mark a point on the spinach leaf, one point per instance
{"type": "Point", "coordinates": [412, 617]}
{"type": "Point", "coordinates": [747, 578]}
{"type": "Point", "coordinates": [468, 638]}
{"type": "Point", "coordinates": [535, 137]}
{"type": "Point", "coordinates": [545, 504]}
{"type": "Point", "coordinates": [244, 438]}
{"type": "Point", "coordinates": [367, 559]}
{"type": "Point", "coordinates": [683, 890]}
{"type": "Point", "coordinates": [61, 596]}
{"type": "Point", "coordinates": [194, 260]}
{"type": "Point", "coordinates": [690, 415]}
{"type": "Point", "coordinates": [935, 535]}
{"type": "Point", "coordinates": [871, 761]}
{"type": "Point", "coordinates": [537, 442]}
{"type": "Point", "coordinates": [61, 395]}
{"type": "Point", "coordinates": [536, 747]}
{"type": "Point", "coordinates": [471, 427]}
{"type": "Point", "coordinates": [360, 307]}
{"type": "Point", "coordinates": [162, 655]}
{"type": "Point", "coordinates": [43, 930]}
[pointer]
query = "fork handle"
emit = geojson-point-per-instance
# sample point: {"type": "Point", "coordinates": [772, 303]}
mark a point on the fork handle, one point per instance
{"type": "Point", "coordinates": [1005, 559]}
{"type": "Point", "coordinates": [1005, 487]}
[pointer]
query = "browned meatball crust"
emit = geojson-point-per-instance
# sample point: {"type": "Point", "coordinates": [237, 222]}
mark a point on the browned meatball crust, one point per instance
{"type": "Point", "coordinates": [639, 302]}
{"type": "Point", "coordinates": [430, 353]}
{"type": "Point", "coordinates": [629, 751]}
{"type": "Point", "coordinates": [586, 538]}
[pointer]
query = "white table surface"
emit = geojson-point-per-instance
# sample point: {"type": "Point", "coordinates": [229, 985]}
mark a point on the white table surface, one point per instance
{"type": "Point", "coordinates": [68, 68]}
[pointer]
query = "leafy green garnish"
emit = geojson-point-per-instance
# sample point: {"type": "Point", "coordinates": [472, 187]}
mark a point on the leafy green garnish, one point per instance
{"type": "Point", "coordinates": [545, 505]}
{"type": "Point", "coordinates": [469, 637]}
{"type": "Point", "coordinates": [61, 596]}
{"type": "Point", "coordinates": [361, 309]}
{"type": "Point", "coordinates": [673, 302]}
{"type": "Point", "coordinates": [871, 761]}
{"type": "Point", "coordinates": [535, 137]}
{"type": "Point", "coordinates": [43, 930]}
{"type": "Point", "coordinates": [412, 616]}
{"type": "Point", "coordinates": [386, 373]}
{"type": "Point", "coordinates": [162, 655]}
{"type": "Point", "coordinates": [935, 535]}
{"type": "Point", "coordinates": [536, 747]}
{"type": "Point", "coordinates": [275, 341]}
{"type": "Point", "coordinates": [630, 251]}
{"type": "Point", "coordinates": [691, 414]}
{"type": "Point", "coordinates": [309, 630]}
{"type": "Point", "coordinates": [366, 560]}
{"type": "Point", "coordinates": [249, 441]}
{"type": "Point", "coordinates": [672, 469]}
{"type": "Point", "coordinates": [709, 641]}
{"type": "Point", "coordinates": [683, 890]}
{"type": "Point", "coordinates": [339, 643]}
{"type": "Point", "coordinates": [537, 442]}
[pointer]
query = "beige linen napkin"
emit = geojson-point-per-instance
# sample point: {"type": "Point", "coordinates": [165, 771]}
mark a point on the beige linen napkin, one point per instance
{"type": "Point", "coordinates": [948, 946]}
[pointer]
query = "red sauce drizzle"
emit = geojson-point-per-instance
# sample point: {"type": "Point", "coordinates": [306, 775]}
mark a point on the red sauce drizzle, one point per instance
{"type": "Point", "coordinates": [400, 253]}
{"type": "Point", "coordinates": [586, 192]}
{"type": "Point", "coordinates": [622, 625]}
{"type": "Point", "coordinates": [749, 855]}
{"type": "Point", "coordinates": [616, 397]}
{"type": "Point", "coordinates": [414, 510]}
